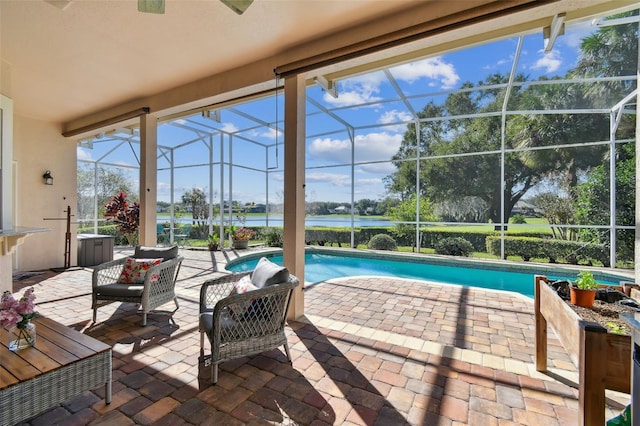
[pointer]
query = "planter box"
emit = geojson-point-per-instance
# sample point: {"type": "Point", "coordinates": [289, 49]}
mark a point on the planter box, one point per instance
{"type": "Point", "coordinates": [603, 359]}
{"type": "Point", "coordinates": [240, 244]}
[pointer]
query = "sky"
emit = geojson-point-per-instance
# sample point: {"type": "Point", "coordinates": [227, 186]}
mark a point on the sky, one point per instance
{"type": "Point", "coordinates": [367, 103]}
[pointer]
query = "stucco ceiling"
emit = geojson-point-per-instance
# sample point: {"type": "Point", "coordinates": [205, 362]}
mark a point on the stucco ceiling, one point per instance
{"type": "Point", "coordinates": [92, 53]}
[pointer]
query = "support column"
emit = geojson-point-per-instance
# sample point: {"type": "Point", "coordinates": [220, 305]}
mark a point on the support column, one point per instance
{"type": "Point", "coordinates": [148, 179]}
{"type": "Point", "coordinates": [294, 183]}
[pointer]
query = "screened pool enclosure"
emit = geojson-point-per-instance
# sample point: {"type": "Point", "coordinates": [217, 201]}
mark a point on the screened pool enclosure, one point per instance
{"type": "Point", "coordinates": [502, 140]}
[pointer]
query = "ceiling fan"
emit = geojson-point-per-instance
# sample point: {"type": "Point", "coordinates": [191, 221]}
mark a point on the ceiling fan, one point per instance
{"type": "Point", "coordinates": [157, 6]}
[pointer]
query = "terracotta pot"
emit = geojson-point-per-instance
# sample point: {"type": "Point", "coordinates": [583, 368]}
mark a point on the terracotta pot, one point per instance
{"type": "Point", "coordinates": [584, 298]}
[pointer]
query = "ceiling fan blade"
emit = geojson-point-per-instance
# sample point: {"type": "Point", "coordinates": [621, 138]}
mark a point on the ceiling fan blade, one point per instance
{"type": "Point", "coordinates": [151, 6]}
{"type": "Point", "coordinates": [238, 6]}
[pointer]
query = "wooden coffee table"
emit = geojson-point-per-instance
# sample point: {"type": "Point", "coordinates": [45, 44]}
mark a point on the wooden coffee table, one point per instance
{"type": "Point", "coordinates": [62, 364]}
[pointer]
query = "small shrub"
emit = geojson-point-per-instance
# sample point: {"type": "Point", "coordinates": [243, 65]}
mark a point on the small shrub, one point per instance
{"type": "Point", "coordinates": [518, 219]}
{"type": "Point", "coordinates": [273, 237]}
{"type": "Point", "coordinates": [382, 242]}
{"type": "Point", "coordinates": [456, 246]}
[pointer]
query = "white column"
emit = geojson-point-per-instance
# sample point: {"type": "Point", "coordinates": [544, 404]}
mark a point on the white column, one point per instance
{"type": "Point", "coordinates": [148, 179]}
{"type": "Point", "coordinates": [294, 183]}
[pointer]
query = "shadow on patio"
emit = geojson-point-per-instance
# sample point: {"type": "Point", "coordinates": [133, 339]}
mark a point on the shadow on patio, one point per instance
{"type": "Point", "coordinates": [368, 351]}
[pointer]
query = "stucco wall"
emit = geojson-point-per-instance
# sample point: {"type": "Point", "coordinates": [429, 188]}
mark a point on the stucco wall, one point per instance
{"type": "Point", "coordinates": [37, 147]}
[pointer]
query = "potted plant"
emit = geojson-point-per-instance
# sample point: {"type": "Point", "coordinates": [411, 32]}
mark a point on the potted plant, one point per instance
{"type": "Point", "coordinates": [241, 237]}
{"type": "Point", "coordinates": [583, 290]}
{"type": "Point", "coordinates": [213, 242]}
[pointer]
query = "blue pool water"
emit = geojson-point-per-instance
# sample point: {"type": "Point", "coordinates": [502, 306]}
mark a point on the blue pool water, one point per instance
{"type": "Point", "coordinates": [321, 267]}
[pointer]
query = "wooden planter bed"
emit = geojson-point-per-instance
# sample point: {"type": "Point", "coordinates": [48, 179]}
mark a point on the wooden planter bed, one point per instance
{"type": "Point", "coordinates": [603, 359]}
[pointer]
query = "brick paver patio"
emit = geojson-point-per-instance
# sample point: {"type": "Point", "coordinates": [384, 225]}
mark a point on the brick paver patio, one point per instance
{"type": "Point", "coordinates": [370, 350]}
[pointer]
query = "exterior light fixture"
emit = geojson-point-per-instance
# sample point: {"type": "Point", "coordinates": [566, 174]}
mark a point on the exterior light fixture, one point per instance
{"type": "Point", "coordinates": [47, 178]}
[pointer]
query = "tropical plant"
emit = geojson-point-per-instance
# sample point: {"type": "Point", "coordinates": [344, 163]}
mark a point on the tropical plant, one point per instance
{"type": "Point", "coordinates": [125, 215]}
{"type": "Point", "coordinates": [213, 241]}
{"type": "Point", "coordinates": [242, 233]}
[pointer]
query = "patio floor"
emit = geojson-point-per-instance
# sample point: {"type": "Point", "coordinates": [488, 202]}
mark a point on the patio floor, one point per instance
{"type": "Point", "coordinates": [370, 350]}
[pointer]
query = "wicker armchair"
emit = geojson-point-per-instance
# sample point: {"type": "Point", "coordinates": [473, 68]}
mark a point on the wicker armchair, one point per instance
{"type": "Point", "coordinates": [158, 287]}
{"type": "Point", "coordinates": [243, 324]}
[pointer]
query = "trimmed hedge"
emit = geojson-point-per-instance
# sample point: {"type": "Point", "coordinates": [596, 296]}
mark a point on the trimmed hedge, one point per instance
{"type": "Point", "coordinates": [112, 230]}
{"type": "Point", "coordinates": [572, 252]}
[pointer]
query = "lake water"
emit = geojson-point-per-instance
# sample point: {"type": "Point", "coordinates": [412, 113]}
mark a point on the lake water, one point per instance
{"type": "Point", "coordinates": [276, 220]}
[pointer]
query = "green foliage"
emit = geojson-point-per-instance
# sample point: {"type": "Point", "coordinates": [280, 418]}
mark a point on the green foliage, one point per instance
{"type": "Point", "coordinates": [196, 200]}
{"type": "Point", "coordinates": [213, 241]}
{"type": "Point", "coordinates": [572, 252]}
{"type": "Point", "coordinates": [273, 237]}
{"type": "Point", "coordinates": [382, 242]}
{"type": "Point", "coordinates": [518, 219]}
{"type": "Point", "coordinates": [448, 176]}
{"type": "Point", "coordinates": [616, 328]}
{"type": "Point", "coordinates": [103, 182]}
{"type": "Point", "coordinates": [406, 212]}
{"type": "Point", "coordinates": [112, 230]}
{"type": "Point", "coordinates": [329, 236]}
{"type": "Point", "coordinates": [455, 246]}
{"type": "Point", "coordinates": [558, 210]}
{"type": "Point", "coordinates": [586, 281]}
{"type": "Point", "coordinates": [592, 207]}
{"type": "Point", "coordinates": [125, 215]}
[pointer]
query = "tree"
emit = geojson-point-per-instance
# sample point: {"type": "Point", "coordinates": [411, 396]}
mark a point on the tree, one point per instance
{"type": "Point", "coordinates": [196, 201]}
{"type": "Point", "coordinates": [558, 210]}
{"type": "Point", "coordinates": [448, 154]}
{"type": "Point", "coordinates": [109, 181]}
{"type": "Point", "coordinates": [611, 51]}
{"type": "Point", "coordinates": [465, 174]}
{"type": "Point", "coordinates": [592, 206]}
{"type": "Point", "coordinates": [406, 212]}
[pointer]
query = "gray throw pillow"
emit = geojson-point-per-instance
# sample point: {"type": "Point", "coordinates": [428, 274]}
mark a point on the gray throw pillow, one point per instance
{"type": "Point", "coordinates": [268, 273]}
{"type": "Point", "coordinates": [166, 253]}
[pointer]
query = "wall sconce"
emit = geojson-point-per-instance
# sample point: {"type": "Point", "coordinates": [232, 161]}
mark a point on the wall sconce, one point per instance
{"type": "Point", "coordinates": [47, 178]}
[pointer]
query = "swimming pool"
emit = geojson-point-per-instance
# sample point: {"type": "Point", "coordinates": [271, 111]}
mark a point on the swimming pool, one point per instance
{"type": "Point", "coordinates": [322, 264]}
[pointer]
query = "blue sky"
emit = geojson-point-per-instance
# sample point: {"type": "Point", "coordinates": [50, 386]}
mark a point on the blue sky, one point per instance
{"type": "Point", "coordinates": [367, 102]}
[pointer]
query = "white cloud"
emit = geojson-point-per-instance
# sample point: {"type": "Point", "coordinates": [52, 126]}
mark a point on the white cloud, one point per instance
{"type": "Point", "coordinates": [377, 168]}
{"type": "Point", "coordinates": [369, 147]}
{"type": "Point", "coordinates": [432, 68]}
{"type": "Point", "coordinates": [395, 116]}
{"type": "Point", "coordinates": [369, 181]}
{"type": "Point", "coordinates": [357, 90]}
{"type": "Point", "coordinates": [550, 62]}
{"type": "Point", "coordinates": [328, 178]}
{"type": "Point", "coordinates": [365, 88]}
{"type": "Point", "coordinates": [574, 37]}
{"type": "Point", "coordinates": [84, 154]}
{"type": "Point", "coordinates": [229, 127]}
